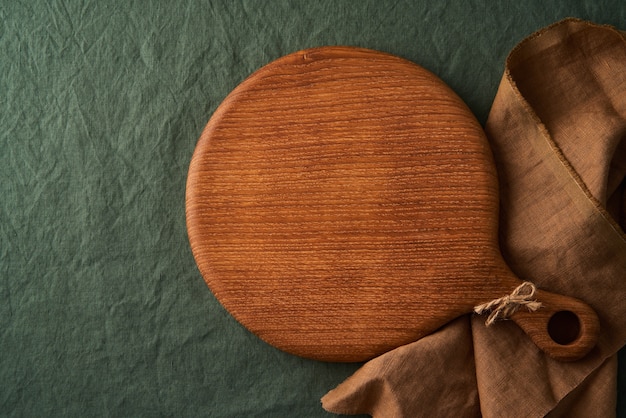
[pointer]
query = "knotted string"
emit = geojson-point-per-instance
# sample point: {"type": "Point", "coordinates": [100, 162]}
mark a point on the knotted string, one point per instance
{"type": "Point", "coordinates": [504, 307]}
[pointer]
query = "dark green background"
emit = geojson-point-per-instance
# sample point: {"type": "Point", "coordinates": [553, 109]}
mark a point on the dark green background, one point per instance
{"type": "Point", "coordinates": [102, 309]}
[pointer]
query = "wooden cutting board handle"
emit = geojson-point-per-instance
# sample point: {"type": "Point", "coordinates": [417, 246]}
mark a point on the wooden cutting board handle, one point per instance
{"type": "Point", "coordinates": [565, 328]}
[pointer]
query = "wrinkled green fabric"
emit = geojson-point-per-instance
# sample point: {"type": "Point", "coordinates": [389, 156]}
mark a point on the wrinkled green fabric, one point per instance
{"type": "Point", "coordinates": [102, 309]}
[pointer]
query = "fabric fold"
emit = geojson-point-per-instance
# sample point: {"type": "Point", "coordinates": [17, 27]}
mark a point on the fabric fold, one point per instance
{"type": "Point", "coordinates": [373, 389]}
{"type": "Point", "coordinates": [557, 129]}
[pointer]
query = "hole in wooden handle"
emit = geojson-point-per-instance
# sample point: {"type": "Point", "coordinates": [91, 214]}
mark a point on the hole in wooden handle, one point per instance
{"type": "Point", "coordinates": [564, 327]}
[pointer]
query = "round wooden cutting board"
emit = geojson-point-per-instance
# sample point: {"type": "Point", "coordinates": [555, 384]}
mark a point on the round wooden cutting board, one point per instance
{"type": "Point", "coordinates": [342, 202]}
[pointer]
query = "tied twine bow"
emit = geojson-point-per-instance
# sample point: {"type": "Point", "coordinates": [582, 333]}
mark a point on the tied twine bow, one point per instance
{"type": "Point", "coordinates": [504, 307]}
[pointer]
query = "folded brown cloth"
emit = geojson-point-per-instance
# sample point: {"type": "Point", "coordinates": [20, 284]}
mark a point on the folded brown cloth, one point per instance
{"type": "Point", "coordinates": [557, 128]}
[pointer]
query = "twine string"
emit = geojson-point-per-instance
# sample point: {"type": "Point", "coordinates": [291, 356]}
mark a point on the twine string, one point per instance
{"type": "Point", "coordinates": [504, 307]}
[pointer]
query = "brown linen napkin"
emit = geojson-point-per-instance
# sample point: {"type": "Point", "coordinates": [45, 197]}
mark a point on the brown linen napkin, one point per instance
{"type": "Point", "coordinates": [558, 132]}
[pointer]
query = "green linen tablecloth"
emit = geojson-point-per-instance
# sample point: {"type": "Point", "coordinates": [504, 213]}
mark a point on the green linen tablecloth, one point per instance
{"type": "Point", "coordinates": [102, 309]}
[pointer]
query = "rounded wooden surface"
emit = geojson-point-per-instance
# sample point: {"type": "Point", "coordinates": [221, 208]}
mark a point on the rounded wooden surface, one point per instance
{"type": "Point", "coordinates": [342, 202]}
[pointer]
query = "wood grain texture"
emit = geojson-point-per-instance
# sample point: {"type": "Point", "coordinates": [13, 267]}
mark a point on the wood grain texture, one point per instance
{"type": "Point", "coordinates": [342, 202]}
